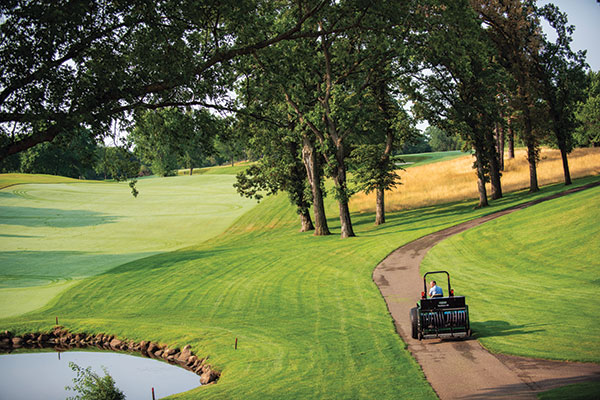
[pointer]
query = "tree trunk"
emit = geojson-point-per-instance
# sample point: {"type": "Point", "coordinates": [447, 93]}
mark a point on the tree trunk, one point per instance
{"type": "Point", "coordinates": [340, 182]}
{"type": "Point", "coordinates": [565, 162]}
{"type": "Point", "coordinates": [313, 173]}
{"type": "Point", "coordinates": [483, 202]}
{"type": "Point", "coordinates": [306, 222]}
{"type": "Point", "coordinates": [500, 146]}
{"type": "Point", "coordinates": [494, 164]}
{"type": "Point", "coordinates": [380, 210]}
{"type": "Point", "coordinates": [532, 159]}
{"type": "Point", "coordinates": [339, 179]}
{"type": "Point", "coordinates": [511, 141]}
{"type": "Point", "coordinates": [191, 171]}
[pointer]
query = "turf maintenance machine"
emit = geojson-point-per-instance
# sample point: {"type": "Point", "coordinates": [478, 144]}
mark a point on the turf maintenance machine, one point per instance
{"type": "Point", "coordinates": [439, 316]}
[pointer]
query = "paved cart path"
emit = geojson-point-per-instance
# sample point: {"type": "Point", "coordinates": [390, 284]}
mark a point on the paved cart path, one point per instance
{"type": "Point", "coordinates": [464, 369]}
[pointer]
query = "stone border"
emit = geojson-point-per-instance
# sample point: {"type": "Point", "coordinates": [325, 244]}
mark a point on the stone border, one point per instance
{"type": "Point", "coordinates": [61, 339]}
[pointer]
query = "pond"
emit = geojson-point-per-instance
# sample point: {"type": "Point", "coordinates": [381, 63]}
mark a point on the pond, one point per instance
{"type": "Point", "coordinates": [44, 375]}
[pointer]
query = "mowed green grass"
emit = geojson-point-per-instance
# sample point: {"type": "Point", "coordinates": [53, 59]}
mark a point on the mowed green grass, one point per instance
{"type": "Point", "coordinates": [7, 180]}
{"type": "Point", "coordinates": [417, 159]}
{"type": "Point", "coordinates": [532, 278]}
{"type": "Point", "coordinates": [52, 233]}
{"type": "Point", "coordinates": [309, 320]}
{"type": "Point", "coordinates": [578, 391]}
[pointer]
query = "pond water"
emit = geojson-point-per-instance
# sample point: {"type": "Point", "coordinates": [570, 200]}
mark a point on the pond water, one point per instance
{"type": "Point", "coordinates": [44, 375]}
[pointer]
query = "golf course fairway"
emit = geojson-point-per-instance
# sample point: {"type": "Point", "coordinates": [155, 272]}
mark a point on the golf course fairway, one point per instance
{"type": "Point", "coordinates": [309, 320]}
{"type": "Point", "coordinates": [53, 233]}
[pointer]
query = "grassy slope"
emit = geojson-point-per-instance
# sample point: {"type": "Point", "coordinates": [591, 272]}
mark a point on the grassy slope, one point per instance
{"type": "Point", "coordinates": [7, 180]}
{"type": "Point", "coordinates": [579, 391]}
{"type": "Point", "coordinates": [531, 278]}
{"type": "Point", "coordinates": [428, 158]}
{"type": "Point", "coordinates": [309, 319]}
{"type": "Point", "coordinates": [55, 232]}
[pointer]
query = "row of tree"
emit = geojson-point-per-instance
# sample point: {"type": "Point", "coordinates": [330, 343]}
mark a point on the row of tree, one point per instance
{"type": "Point", "coordinates": [319, 88]}
{"type": "Point", "coordinates": [472, 68]}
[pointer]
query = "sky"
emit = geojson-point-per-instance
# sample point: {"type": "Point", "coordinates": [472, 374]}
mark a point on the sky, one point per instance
{"type": "Point", "coordinates": [585, 16]}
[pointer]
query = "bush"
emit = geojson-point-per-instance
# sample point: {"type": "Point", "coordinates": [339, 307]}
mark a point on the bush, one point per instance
{"type": "Point", "coordinates": [91, 386]}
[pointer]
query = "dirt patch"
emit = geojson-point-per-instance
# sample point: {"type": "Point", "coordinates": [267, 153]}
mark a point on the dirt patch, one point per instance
{"type": "Point", "coordinates": [464, 369]}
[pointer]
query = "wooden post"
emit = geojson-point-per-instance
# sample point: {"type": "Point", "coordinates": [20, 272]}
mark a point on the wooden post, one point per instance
{"type": "Point", "coordinates": [57, 321]}
{"type": "Point", "coordinates": [153, 398]}
{"type": "Point", "coordinates": [236, 343]}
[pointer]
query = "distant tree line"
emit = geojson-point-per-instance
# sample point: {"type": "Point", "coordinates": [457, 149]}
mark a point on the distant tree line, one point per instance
{"type": "Point", "coordinates": [314, 91]}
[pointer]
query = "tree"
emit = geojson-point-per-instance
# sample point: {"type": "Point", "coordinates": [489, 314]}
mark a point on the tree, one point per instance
{"type": "Point", "coordinates": [118, 163]}
{"type": "Point", "coordinates": [90, 386]}
{"type": "Point", "coordinates": [588, 113]}
{"type": "Point", "coordinates": [230, 143]}
{"type": "Point", "coordinates": [153, 136]}
{"type": "Point", "coordinates": [440, 141]}
{"type": "Point", "coordinates": [456, 88]}
{"type": "Point", "coordinates": [287, 157]}
{"type": "Point", "coordinates": [65, 63]}
{"type": "Point", "coordinates": [562, 76]}
{"type": "Point", "coordinates": [328, 89]}
{"type": "Point", "coordinates": [169, 137]}
{"type": "Point", "coordinates": [513, 27]}
{"type": "Point", "coordinates": [372, 164]}
{"type": "Point", "coordinates": [72, 155]}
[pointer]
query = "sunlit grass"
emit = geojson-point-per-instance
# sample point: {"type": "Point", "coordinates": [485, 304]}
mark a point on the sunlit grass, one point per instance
{"type": "Point", "coordinates": [7, 180]}
{"type": "Point", "coordinates": [455, 180]}
{"type": "Point", "coordinates": [531, 278]}
{"type": "Point", "coordinates": [310, 321]}
{"type": "Point", "coordinates": [52, 231]}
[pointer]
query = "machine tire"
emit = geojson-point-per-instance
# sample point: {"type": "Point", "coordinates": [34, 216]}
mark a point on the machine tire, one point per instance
{"type": "Point", "coordinates": [414, 322]}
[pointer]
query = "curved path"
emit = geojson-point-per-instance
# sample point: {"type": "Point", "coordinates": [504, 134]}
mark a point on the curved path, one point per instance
{"type": "Point", "coordinates": [464, 369]}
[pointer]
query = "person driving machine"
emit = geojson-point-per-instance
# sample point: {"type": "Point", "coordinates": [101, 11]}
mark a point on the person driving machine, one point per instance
{"type": "Point", "coordinates": [435, 290]}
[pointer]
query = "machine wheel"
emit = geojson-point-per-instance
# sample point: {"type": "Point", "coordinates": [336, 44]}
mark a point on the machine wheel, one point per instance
{"type": "Point", "coordinates": [414, 322]}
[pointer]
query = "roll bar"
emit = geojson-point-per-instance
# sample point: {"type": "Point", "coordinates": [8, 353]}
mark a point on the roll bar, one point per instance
{"type": "Point", "coordinates": [425, 291]}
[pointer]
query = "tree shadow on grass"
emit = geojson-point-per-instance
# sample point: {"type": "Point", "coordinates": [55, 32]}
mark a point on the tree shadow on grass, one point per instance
{"type": "Point", "coordinates": [464, 210]}
{"type": "Point", "coordinates": [495, 328]}
{"type": "Point", "coordinates": [166, 260]}
{"type": "Point", "coordinates": [52, 217]}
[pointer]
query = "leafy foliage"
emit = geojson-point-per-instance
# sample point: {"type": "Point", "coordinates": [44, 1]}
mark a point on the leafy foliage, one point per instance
{"type": "Point", "coordinates": [588, 113]}
{"type": "Point", "coordinates": [117, 163]}
{"type": "Point", "coordinates": [169, 137]}
{"type": "Point", "coordinates": [440, 141]}
{"type": "Point", "coordinates": [372, 171]}
{"type": "Point", "coordinates": [65, 63]}
{"type": "Point", "coordinates": [72, 155]}
{"type": "Point", "coordinates": [91, 386]}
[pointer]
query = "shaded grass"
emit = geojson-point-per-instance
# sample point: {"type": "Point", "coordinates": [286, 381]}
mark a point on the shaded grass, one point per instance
{"type": "Point", "coordinates": [309, 319]}
{"type": "Point", "coordinates": [56, 231]}
{"type": "Point", "coordinates": [579, 391]}
{"type": "Point", "coordinates": [531, 278]}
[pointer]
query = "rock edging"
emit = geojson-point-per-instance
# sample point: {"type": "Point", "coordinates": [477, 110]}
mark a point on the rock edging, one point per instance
{"type": "Point", "coordinates": [61, 339]}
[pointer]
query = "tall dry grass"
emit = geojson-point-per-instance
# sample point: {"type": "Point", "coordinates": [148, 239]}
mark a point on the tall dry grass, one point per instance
{"type": "Point", "coordinates": [455, 180]}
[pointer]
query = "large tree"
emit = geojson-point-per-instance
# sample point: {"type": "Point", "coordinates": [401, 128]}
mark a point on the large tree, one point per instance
{"type": "Point", "coordinates": [73, 155]}
{"type": "Point", "coordinates": [168, 138]}
{"type": "Point", "coordinates": [456, 88]}
{"type": "Point", "coordinates": [588, 113]}
{"type": "Point", "coordinates": [514, 28]}
{"type": "Point", "coordinates": [69, 62]}
{"type": "Point", "coordinates": [326, 81]}
{"type": "Point", "coordinates": [561, 72]}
